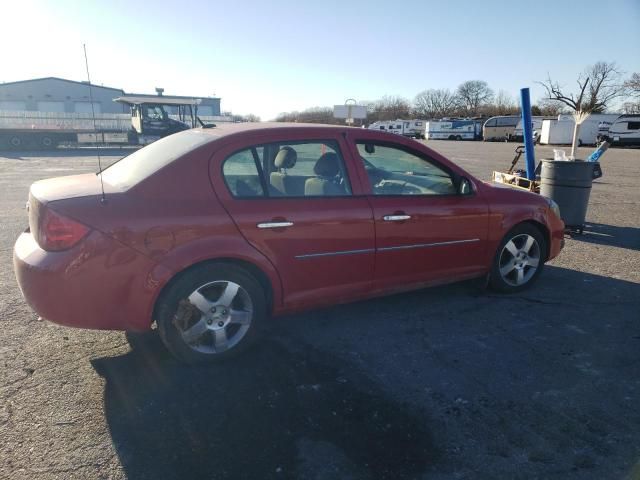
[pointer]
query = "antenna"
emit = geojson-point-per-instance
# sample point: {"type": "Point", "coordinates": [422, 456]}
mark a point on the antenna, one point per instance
{"type": "Point", "coordinates": [103, 198]}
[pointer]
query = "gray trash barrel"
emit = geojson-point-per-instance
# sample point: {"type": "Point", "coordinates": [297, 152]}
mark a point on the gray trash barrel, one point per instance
{"type": "Point", "coordinates": [569, 185]}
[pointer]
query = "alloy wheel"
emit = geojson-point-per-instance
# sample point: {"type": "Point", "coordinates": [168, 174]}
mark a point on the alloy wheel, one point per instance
{"type": "Point", "coordinates": [519, 260]}
{"type": "Point", "coordinates": [215, 317]}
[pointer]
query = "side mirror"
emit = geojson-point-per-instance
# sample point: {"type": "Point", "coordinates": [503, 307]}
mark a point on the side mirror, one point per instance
{"type": "Point", "coordinates": [465, 187]}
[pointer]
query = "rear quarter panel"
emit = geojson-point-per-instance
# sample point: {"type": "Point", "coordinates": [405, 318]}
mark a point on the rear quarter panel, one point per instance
{"type": "Point", "coordinates": [174, 218]}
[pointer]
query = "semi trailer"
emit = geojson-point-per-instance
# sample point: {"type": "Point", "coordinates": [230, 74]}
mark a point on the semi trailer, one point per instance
{"type": "Point", "coordinates": [148, 121]}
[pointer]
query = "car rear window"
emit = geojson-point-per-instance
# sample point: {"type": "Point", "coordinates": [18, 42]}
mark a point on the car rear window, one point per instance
{"type": "Point", "coordinates": [143, 163]}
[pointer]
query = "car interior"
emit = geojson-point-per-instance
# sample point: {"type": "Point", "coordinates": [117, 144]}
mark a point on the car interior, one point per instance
{"type": "Point", "coordinates": [293, 170]}
{"type": "Point", "coordinates": [312, 169]}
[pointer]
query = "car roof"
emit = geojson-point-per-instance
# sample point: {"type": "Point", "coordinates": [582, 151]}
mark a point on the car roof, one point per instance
{"type": "Point", "coordinates": [222, 129]}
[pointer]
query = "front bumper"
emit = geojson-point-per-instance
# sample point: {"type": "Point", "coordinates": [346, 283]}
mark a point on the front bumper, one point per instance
{"type": "Point", "coordinates": [556, 235]}
{"type": "Point", "coordinates": [97, 284]}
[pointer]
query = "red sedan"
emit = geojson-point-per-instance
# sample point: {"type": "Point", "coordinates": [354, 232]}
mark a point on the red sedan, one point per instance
{"type": "Point", "coordinates": [210, 232]}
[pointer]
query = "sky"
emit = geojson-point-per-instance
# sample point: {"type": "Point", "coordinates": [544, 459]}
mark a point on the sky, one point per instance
{"type": "Point", "coordinates": [267, 57]}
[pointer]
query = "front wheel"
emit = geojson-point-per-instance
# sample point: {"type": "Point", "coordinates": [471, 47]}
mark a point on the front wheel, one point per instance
{"type": "Point", "coordinates": [210, 313]}
{"type": "Point", "coordinates": [519, 259]}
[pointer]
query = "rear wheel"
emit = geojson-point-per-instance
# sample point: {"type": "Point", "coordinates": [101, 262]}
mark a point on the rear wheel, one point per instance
{"type": "Point", "coordinates": [47, 142]}
{"type": "Point", "coordinates": [519, 259]}
{"type": "Point", "coordinates": [210, 313]}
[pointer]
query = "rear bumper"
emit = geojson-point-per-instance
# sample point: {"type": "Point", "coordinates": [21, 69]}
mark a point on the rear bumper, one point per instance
{"type": "Point", "coordinates": [98, 284]}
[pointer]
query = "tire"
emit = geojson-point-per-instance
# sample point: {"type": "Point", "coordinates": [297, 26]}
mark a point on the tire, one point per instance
{"type": "Point", "coordinates": [210, 331]}
{"type": "Point", "coordinates": [46, 142]}
{"type": "Point", "coordinates": [15, 142]}
{"type": "Point", "coordinates": [519, 260]}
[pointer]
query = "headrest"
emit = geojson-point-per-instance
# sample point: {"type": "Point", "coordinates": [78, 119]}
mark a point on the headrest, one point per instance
{"type": "Point", "coordinates": [286, 158]}
{"type": "Point", "coordinates": [327, 165]}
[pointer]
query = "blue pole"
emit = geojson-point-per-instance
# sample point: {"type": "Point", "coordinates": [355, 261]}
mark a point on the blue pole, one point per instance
{"type": "Point", "coordinates": [525, 103]}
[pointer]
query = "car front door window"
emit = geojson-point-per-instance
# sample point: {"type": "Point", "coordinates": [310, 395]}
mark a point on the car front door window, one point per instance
{"type": "Point", "coordinates": [393, 171]}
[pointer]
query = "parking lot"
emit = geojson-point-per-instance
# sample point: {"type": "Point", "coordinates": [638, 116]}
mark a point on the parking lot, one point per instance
{"type": "Point", "coordinates": [449, 382]}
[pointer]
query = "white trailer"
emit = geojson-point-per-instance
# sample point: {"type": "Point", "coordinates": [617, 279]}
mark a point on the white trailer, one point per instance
{"type": "Point", "coordinates": [625, 131]}
{"type": "Point", "coordinates": [451, 130]}
{"type": "Point", "coordinates": [560, 131]}
{"type": "Point", "coordinates": [408, 128]}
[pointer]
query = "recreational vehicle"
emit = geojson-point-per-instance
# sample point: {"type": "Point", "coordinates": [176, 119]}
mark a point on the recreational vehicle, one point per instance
{"type": "Point", "coordinates": [452, 130]}
{"type": "Point", "coordinates": [536, 123]}
{"type": "Point", "coordinates": [408, 128]}
{"type": "Point", "coordinates": [625, 130]}
{"type": "Point", "coordinates": [500, 128]}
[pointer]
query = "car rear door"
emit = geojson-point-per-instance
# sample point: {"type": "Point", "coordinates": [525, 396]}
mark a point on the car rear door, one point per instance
{"type": "Point", "coordinates": [322, 244]}
{"type": "Point", "coordinates": [425, 230]}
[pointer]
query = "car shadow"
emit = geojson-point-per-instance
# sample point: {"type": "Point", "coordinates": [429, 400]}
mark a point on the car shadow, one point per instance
{"type": "Point", "coordinates": [601, 234]}
{"type": "Point", "coordinates": [273, 412]}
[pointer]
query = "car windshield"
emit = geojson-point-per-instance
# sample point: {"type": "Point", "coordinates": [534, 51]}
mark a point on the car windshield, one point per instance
{"type": "Point", "coordinates": [142, 163]}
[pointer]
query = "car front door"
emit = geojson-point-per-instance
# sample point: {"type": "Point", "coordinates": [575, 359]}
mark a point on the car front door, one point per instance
{"type": "Point", "coordinates": [297, 201]}
{"type": "Point", "coordinates": [426, 231]}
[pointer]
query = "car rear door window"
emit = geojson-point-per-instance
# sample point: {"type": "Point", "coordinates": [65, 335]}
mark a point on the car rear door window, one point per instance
{"type": "Point", "coordinates": [241, 173]}
{"type": "Point", "coordinates": [288, 169]}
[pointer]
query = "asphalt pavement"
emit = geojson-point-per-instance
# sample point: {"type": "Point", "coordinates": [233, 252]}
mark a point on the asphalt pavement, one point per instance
{"type": "Point", "coordinates": [452, 382]}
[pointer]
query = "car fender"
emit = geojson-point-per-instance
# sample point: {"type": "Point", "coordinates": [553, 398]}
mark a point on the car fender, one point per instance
{"type": "Point", "coordinates": [225, 248]}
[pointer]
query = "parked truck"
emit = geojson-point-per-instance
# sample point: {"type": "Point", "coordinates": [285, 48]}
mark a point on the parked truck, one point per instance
{"type": "Point", "coordinates": [147, 122]}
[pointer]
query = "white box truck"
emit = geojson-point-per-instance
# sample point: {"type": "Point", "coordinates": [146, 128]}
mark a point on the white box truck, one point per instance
{"type": "Point", "coordinates": [560, 131]}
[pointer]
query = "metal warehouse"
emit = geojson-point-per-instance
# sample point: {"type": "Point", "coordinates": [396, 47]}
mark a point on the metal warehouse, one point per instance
{"type": "Point", "coordinates": [52, 94]}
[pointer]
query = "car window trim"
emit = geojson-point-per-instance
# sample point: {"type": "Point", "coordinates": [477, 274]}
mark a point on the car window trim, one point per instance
{"type": "Point", "coordinates": [263, 182]}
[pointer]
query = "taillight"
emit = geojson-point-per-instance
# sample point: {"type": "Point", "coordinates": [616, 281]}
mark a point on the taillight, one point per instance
{"type": "Point", "coordinates": [57, 232]}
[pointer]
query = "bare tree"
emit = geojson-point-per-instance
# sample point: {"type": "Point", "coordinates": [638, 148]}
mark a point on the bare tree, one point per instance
{"type": "Point", "coordinates": [434, 103]}
{"type": "Point", "coordinates": [598, 86]}
{"type": "Point", "coordinates": [310, 115]}
{"type": "Point", "coordinates": [633, 88]}
{"type": "Point", "coordinates": [387, 108]}
{"type": "Point", "coordinates": [242, 118]}
{"type": "Point", "coordinates": [548, 108]}
{"type": "Point", "coordinates": [251, 118]}
{"type": "Point", "coordinates": [633, 84]}
{"type": "Point", "coordinates": [473, 94]}
{"type": "Point", "coordinates": [631, 107]}
{"type": "Point", "coordinates": [505, 103]}
{"type": "Point", "coordinates": [390, 108]}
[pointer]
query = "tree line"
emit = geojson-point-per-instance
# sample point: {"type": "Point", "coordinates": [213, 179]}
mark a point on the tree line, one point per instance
{"type": "Point", "coordinates": [599, 86]}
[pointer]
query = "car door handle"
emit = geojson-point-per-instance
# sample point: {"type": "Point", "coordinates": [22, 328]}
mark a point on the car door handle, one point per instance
{"type": "Point", "coordinates": [275, 224]}
{"type": "Point", "coordinates": [396, 218]}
